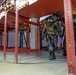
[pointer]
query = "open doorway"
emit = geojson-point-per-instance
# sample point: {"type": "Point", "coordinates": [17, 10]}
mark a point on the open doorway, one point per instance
{"type": "Point", "coordinates": [53, 34]}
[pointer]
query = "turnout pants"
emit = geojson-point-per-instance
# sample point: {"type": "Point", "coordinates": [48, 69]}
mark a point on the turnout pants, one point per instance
{"type": "Point", "coordinates": [52, 45]}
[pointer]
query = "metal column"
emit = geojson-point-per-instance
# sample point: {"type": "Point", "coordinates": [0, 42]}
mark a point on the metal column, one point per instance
{"type": "Point", "coordinates": [70, 44]}
{"type": "Point", "coordinates": [0, 38]}
{"type": "Point", "coordinates": [5, 35]}
{"type": "Point", "coordinates": [28, 36]}
{"type": "Point", "coordinates": [38, 37]}
{"type": "Point", "coordinates": [16, 37]}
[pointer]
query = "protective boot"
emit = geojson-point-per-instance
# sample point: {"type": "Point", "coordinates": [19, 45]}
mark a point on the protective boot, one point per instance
{"type": "Point", "coordinates": [64, 52]}
{"type": "Point", "coordinates": [52, 55]}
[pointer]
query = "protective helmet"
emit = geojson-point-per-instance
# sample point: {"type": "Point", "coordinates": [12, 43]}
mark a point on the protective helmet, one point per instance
{"type": "Point", "coordinates": [50, 21]}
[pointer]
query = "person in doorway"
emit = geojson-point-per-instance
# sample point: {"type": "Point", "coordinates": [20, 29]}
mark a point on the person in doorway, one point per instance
{"type": "Point", "coordinates": [64, 41]}
{"type": "Point", "coordinates": [64, 44]}
{"type": "Point", "coordinates": [60, 42]}
{"type": "Point", "coordinates": [61, 36]}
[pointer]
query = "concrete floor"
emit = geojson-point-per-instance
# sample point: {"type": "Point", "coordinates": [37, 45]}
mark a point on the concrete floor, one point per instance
{"type": "Point", "coordinates": [33, 65]}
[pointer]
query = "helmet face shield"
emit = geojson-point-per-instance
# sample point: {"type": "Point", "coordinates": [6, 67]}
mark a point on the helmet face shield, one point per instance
{"type": "Point", "coordinates": [50, 21]}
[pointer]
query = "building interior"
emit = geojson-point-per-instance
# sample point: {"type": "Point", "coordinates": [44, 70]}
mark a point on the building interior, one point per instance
{"type": "Point", "coordinates": [37, 37]}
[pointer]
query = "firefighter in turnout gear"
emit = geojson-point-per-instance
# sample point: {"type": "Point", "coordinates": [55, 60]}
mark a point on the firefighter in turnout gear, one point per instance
{"type": "Point", "coordinates": [50, 30]}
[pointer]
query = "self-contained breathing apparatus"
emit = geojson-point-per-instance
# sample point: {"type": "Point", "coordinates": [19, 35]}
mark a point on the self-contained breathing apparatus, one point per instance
{"type": "Point", "coordinates": [51, 31]}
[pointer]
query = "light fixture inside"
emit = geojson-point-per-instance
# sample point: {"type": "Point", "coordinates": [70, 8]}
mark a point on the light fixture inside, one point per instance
{"type": "Point", "coordinates": [2, 14]}
{"type": "Point", "coordinates": [32, 1]}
